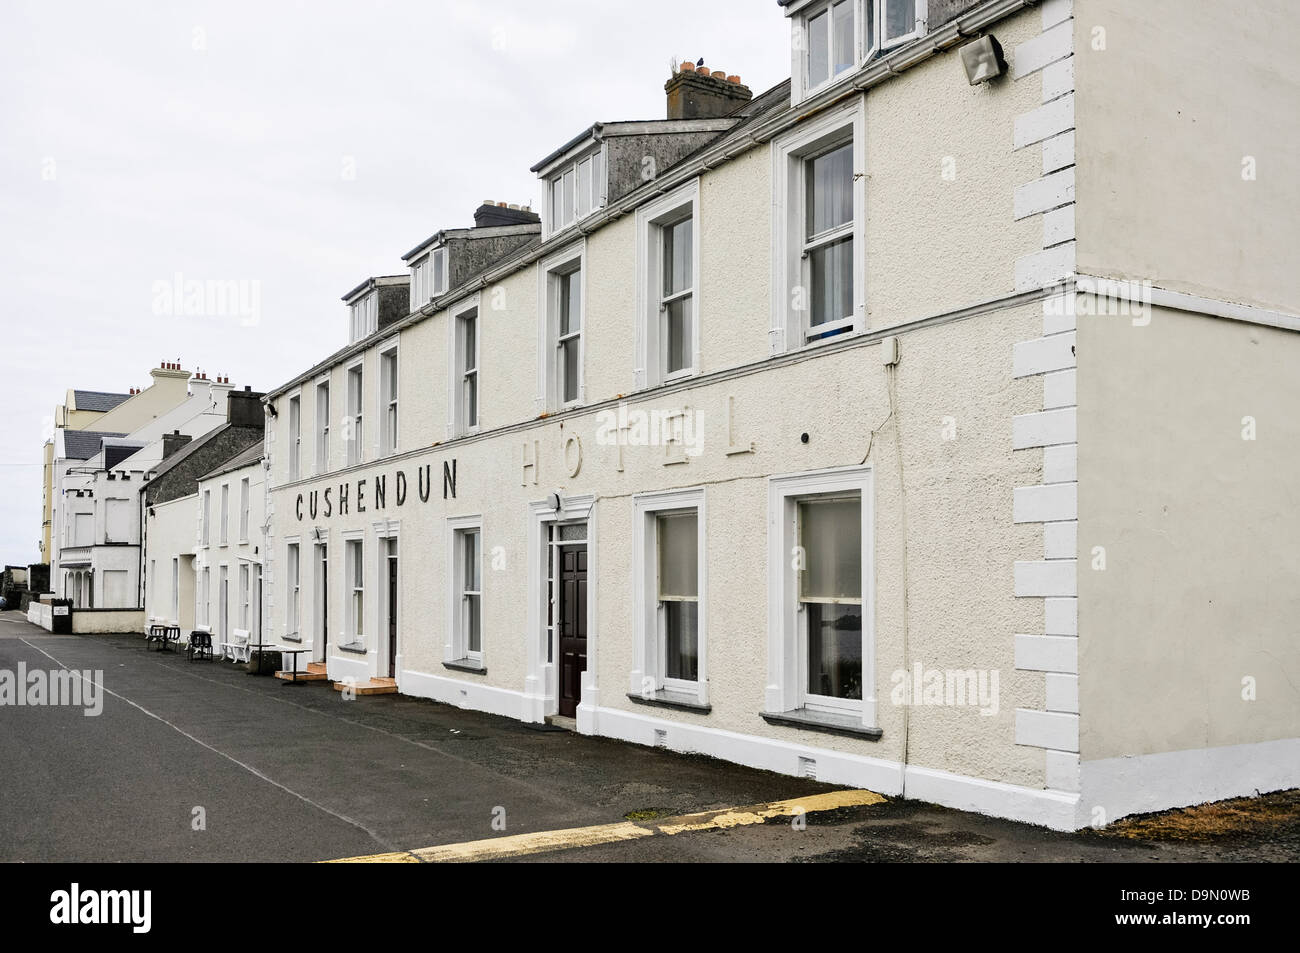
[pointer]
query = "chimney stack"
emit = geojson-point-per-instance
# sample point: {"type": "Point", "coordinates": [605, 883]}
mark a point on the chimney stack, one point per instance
{"type": "Point", "coordinates": [492, 213]}
{"type": "Point", "coordinates": [695, 93]}
{"type": "Point", "coordinates": [174, 441]}
{"type": "Point", "coordinates": [244, 409]}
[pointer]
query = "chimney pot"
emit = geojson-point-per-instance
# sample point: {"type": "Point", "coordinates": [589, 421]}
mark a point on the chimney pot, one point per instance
{"type": "Point", "coordinates": [695, 93]}
{"type": "Point", "coordinates": [687, 67]}
{"type": "Point", "coordinates": [733, 79]}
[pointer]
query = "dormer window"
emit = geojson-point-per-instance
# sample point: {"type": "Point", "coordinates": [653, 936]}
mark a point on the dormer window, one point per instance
{"type": "Point", "coordinates": [364, 316]}
{"type": "Point", "coordinates": [831, 42]}
{"type": "Point", "coordinates": [428, 277]}
{"type": "Point", "coordinates": [576, 190]}
{"type": "Point", "coordinates": [834, 37]}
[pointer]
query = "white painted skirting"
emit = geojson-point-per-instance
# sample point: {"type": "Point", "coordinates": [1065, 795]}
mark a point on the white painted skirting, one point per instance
{"type": "Point", "coordinates": [1156, 782]}
{"type": "Point", "coordinates": [340, 667]}
{"type": "Point", "coordinates": [464, 693]}
{"type": "Point", "coordinates": [1054, 809]}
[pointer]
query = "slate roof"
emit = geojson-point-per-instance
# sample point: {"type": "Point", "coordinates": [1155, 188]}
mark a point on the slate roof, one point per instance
{"type": "Point", "coordinates": [97, 399]}
{"type": "Point", "coordinates": [84, 444]}
{"type": "Point", "coordinates": [242, 459]}
{"type": "Point", "coordinates": [188, 450]}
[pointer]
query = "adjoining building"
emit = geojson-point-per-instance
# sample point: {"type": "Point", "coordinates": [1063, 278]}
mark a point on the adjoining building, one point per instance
{"type": "Point", "coordinates": [107, 412]}
{"type": "Point", "coordinates": [95, 546]}
{"type": "Point", "coordinates": [204, 511]}
{"type": "Point", "coordinates": [767, 446]}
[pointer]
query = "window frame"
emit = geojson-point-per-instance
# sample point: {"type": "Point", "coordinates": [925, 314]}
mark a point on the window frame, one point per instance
{"type": "Point", "coordinates": [803, 45]}
{"type": "Point", "coordinates": [243, 588]}
{"type": "Point", "coordinates": [456, 424]}
{"type": "Point", "coordinates": [791, 155]}
{"type": "Point", "coordinates": [176, 590]}
{"type": "Point", "coordinates": [245, 506]}
{"type": "Point", "coordinates": [869, 17]}
{"type": "Point", "coordinates": [787, 632]}
{"type": "Point", "coordinates": [293, 574]}
{"type": "Point", "coordinates": [554, 178]}
{"type": "Point", "coordinates": [649, 642]}
{"type": "Point", "coordinates": [363, 315]}
{"type": "Point", "coordinates": [879, 14]}
{"type": "Point", "coordinates": [388, 402]}
{"type": "Point", "coordinates": [356, 385]}
{"type": "Point", "coordinates": [223, 602]}
{"type": "Point", "coordinates": [457, 650]}
{"type": "Point", "coordinates": [295, 436]}
{"type": "Point", "coordinates": [205, 583]}
{"type": "Point", "coordinates": [322, 456]}
{"type": "Point", "coordinates": [651, 341]}
{"type": "Point", "coordinates": [428, 276]}
{"type": "Point", "coordinates": [550, 272]}
{"type": "Point", "coordinates": [205, 525]}
{"type": "Point", "coordinates": [354, 585]}
{"type": "Point", "coordinates": [225, 514]}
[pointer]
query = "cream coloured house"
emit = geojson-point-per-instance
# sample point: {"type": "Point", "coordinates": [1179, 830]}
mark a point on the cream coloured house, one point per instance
{"type": "Point", "coordinates": [926, 423]}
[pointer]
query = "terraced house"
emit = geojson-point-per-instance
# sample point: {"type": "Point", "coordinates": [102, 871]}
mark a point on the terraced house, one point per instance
{"type": "Point", "coordinates": [888, 427]}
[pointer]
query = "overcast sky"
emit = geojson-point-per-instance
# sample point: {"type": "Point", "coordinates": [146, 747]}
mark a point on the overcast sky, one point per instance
{"type": "Point", "coordinates": [302, 146]}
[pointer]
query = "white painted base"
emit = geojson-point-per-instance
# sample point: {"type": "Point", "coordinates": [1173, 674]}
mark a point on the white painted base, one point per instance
{"type": "Point", "coordinates": [1053, 809]}
{"type": "Point", "coordinates": [1157, 782]}
{"type": "Point", "coordinates": [42, 614]}
{"type": "Point", "coordinates": [469, 694]}
{"type": "Point", "coordinates": [340, 667]}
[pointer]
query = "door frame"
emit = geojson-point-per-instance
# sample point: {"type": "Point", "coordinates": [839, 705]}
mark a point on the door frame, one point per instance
{"type": "Point", "coordinates": [558, 548]}
{"type": "Point", "coordinates": [541, 682]}
{"type": "Point", "coordinates": [385, 531]}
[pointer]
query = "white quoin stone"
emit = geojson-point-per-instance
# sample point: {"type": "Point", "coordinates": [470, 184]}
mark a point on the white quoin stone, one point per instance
{"type": "Point", "coordinates": [1054, 43]}
{"type": "Point", "coordinates": [1046, 121]}
{"type": "Point", "coordinates": [1047, 729]}
{"type": "Point", "coordinates": [1044, 429]}
{"type": "Point", "coordinates": [1040, 355]}
{"type": "Point", "coordinates": [1047, 653]}
{"type": "Point", "coordinates": [1046, 504]}
{"type": "Point", "coordinates": [1047, 577]}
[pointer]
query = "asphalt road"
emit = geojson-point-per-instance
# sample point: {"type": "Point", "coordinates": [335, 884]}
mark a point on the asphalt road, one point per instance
{"type": "Point", "coordinates": [285, 773]}
{"type": "Point", "coordinates": [297, 773]}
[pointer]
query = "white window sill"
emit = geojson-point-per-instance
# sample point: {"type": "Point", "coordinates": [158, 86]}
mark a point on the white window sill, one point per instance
{"type": "Point", "coordinates": [837, 723]}
{"type": "Point", "coordinates": [673, 698]}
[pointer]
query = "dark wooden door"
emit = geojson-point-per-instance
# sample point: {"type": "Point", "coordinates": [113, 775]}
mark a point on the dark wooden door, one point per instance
{"type": "Point", "coordinates": [573, 626]}
{"type": "Point", "coordinates": [324, 604]}
{"type": "Point", "coordinates": [392, 616]}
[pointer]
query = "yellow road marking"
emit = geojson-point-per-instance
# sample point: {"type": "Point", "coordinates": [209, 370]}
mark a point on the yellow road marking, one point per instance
{"type": "Point", "coordinates": [516, 845]}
